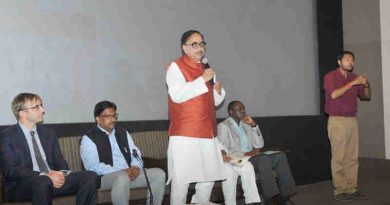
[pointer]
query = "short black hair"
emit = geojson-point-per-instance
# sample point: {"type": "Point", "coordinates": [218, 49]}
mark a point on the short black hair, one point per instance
{"type": "Point", "coordinates": [101, 106]}
{"type": "Point", "coordinates": [231, 105]}
{"type": "Point", "coordinates": [343, 53]}
{"type": "Point", "coordinates": [187, 34]}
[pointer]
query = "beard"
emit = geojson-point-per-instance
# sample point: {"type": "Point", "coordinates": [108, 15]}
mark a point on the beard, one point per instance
{"type": "Point", "coordinates": [347, 68]}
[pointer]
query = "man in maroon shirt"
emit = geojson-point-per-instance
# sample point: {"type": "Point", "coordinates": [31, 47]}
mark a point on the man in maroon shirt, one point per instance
{"type": "Point", "coordinates": [342, 88]}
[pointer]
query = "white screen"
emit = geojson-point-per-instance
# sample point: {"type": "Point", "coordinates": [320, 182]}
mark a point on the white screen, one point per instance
{"type": "Point", "coordinates": [74, 53]}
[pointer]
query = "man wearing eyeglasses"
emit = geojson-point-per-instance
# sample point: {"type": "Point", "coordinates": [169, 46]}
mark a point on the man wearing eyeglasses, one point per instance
{"type": "Point", "coordinates": [111, 153]}
{"type": "Point", "coordinates": [193, 153]}
{"type": "Point", "coordinates": [32, 163]}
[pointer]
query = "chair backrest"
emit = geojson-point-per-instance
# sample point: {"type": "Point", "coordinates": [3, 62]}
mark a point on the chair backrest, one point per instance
{"type": "Point", "coordinates": [70, 147]}
{"type": "Point", "coordinates": [153, 144]}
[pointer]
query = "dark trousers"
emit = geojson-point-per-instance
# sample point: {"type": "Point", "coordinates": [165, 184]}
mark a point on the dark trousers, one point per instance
{"type": "Point", "coordinates": [40, 189]}
{"type": "Point", "coordinates": [266, 166]}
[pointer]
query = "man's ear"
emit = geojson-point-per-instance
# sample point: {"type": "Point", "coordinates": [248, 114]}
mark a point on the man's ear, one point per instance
{"type": "Point", "coordinates": [339, 62]}
{"type": "Point", "coordinates": [184, 48]}
{"type": "Point", "coordinates": [20, 113]}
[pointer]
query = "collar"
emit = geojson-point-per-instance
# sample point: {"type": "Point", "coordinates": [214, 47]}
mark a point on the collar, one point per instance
{"type": "Point", "coordinates": [234, 122]}
{"type": "Point", "coordinates": [342, 74]}
{"type": "Point", "coordinates": [187, 60]}
{"type": "Point", "coordinates": [108, 134]}
{"type": "Point", "coordinates": [26, 130]}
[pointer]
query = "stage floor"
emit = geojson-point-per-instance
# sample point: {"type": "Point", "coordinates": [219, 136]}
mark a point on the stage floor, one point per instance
{"type": "Point", "coordinates": [374, 181]}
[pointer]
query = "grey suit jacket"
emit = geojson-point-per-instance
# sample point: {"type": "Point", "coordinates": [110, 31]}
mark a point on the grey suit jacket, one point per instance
{"type": "Point", "coordinates": [229, 138]}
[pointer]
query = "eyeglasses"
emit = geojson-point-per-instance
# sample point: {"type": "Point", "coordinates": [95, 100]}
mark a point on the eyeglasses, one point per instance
{"type": "Point", "coordinates": [36, 107]}
{"type": "Point", "coordinates": [113, 116]}
{"type": "Point", "coordinates": [196, 45]}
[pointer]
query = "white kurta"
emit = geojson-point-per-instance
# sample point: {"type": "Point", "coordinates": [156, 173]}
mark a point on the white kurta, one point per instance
{"type": "Point", "coordinates": [192, 159]}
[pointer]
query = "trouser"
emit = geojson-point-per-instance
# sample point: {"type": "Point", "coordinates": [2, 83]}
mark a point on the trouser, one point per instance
{"type": "Point", "coordinates": [248, 182]}
{"type": "Point", "coordinates": [120, 185]}
{"type": "Point", "coordinates": [40, 190]}
{"type": "Point", "coordinates": [266, 165]}
{"type": "Point", "coordinates": [344, 140]}
{"type": "Point", "coordinates": [179, 192]}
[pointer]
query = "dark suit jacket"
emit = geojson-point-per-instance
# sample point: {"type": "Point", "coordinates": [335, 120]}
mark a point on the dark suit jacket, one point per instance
{"type": "Point", "coordinates": [15, 158]}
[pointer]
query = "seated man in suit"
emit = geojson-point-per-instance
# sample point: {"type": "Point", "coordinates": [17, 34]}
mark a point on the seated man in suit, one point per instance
{"type": "Point", "coordinates": [32, 163]}
{"type": "Point", "coordinates": [240, 133]}
{"type": "Point", "coordinates": [111, 153]}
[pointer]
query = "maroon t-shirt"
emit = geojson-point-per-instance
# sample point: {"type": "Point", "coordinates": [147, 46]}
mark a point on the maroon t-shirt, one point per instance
{"type": "Point", "coordinates": [346, 104]}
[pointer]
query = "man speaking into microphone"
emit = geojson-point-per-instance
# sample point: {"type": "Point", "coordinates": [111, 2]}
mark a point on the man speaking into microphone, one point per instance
{"type": "Point", "coordinates": [193, 153]}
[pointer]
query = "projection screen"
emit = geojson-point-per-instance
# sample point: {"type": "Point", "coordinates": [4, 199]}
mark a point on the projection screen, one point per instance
{"type": "Point", "coordinates": [74, 53]}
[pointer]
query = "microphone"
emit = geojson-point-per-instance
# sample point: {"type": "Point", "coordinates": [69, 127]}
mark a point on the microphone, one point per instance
{"type": "Point", "coordinates": [205, 62]}
{"type": "Point", "coordinates": [135, 155]}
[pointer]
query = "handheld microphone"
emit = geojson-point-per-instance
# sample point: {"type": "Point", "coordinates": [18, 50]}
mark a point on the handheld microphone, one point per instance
{"type": "Point", "coordinates": [135, 155]}
{"type": "Point", "coordinates": [205, 62]}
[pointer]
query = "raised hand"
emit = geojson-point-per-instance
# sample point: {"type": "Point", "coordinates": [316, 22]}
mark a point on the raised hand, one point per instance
{"type": "Point", "coordinates": [208, 74]}
{"type": "Point", "coordinates": [362, 79]}
{"type": "Point", "coordinates": [249, 120]}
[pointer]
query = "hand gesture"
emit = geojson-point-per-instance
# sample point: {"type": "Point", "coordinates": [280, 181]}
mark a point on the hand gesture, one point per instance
{"type": "Point", "coordinates": [249, 120]}
{"type": "Point", "coordinates": [360, 80]}
{"type": "Point", "coordinates": [208, 74]}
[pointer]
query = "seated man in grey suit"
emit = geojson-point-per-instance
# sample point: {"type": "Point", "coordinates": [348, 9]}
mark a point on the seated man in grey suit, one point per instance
{"type": "Point", "coordinates": [111, 153]}
{"type": "Point", "coordinates": [240, 133]}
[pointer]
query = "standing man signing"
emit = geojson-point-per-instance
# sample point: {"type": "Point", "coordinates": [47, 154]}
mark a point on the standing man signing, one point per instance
{"type": "Point", "coordinates": [32, 163]}
{"type": "Point", "coordinates": [193, 152]}
{"type": "Point", "coordinates": [342, 88]}
{"type": "Point", "coordinates": [110, 152]}
{"type": "Point", "coordinates": [240, 133]}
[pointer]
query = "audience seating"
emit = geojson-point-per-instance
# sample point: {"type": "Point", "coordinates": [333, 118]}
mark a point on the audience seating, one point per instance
{"type": "Point", "coordinates": [303, 137]}
{"type": "Point", "coordinates": [153, 145]}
